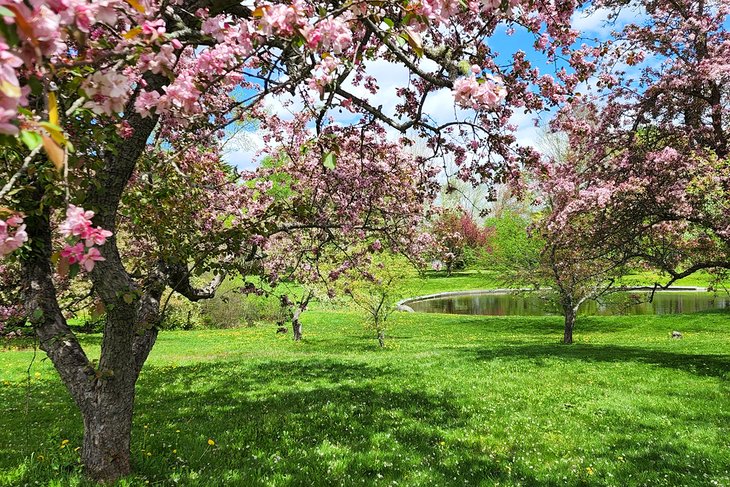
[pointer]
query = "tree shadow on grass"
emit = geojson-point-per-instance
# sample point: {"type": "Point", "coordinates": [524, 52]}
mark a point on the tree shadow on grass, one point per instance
{"type": "Point", "coordinates": [337, 422]}
{"type": "Point", "coordinates": [312, 422]}
{"type": "Point", "coordinates": [698, 364]}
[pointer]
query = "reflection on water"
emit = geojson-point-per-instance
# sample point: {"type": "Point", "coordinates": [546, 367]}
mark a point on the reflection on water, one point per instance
{"type": "Point", "coordinates": [669, 302]}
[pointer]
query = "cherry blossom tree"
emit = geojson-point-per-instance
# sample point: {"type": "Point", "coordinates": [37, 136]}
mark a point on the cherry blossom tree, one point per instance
{"type": "Point", "coordinates": [654, 156]}
{"type": "Point", "coordinates": [458, 238]}
{"type": "Point", "coordinates": [112, 115]}
{"type": "Point", "coordinates": [563, 256]}
{"type": "Point", "coordinates": [324, 227]}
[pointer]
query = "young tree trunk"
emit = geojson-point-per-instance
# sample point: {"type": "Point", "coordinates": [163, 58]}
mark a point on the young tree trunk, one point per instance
{"type": "Point", "coordinates": [296, 326]}
{"type": "Point", "coordinates": [570, 315]}
{"type": "Point", "coordinates": [381, 338]}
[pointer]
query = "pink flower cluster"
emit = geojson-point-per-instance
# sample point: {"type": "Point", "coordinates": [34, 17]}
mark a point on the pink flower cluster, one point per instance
{"type": "Point", "coordinates": [76, 255]}
{"type": "Point", "coordinates": [108, 91]}
{"type": "Point", "coordinates": [78, 228]}
{"type": "Point", "coordinates": [42, 29]}
{"type": "Point", "coordinates": [323, 74]}
{"type": "Point", "coordinates": [11, 95]}
{"type": "Point", "coordinates": [328, 35]}
{"type": "Point", "coordinates": [282, 19]}
{"type": "Point", "coordinates": [12, 235]}
{"type": "Point", "coordinates": [469, 92]}
{"type": "Point", "coordinates": [438, 11]}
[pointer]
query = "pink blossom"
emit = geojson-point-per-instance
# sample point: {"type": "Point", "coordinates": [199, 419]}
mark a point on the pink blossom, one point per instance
{"type": "Point", "coordinates": [154, 29]}
{"type": "Point", "coordinates": [77, 222]}
{"type": "Point", "coordinates": [90, 258]}
{"type": "Point", "coordinates": [73, 253]}
{"type": "Point", "coordinates": [11, 95]}
{"type": "Point", "coordinates": [146, 101]}
{"type": "Point", "coordinates": [12, 235]}
{"type": "Point", "coordinates": [108, 91]}
{"type": "Point", "coordinates": [471, 93]}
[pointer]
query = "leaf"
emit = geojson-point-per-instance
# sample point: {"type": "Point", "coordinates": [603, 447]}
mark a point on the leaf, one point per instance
{"type": "Point", "coordinates": [31, 139]}
{"type": "Point", "coordinates": [132, 33]}
{"type": "Point", "coordinates": [389, 22]}
{"type": "Point", "coordinates": [62, 268]}
{"type": "Point", "coordinates": [6, 12]}
{"type": "Point", "coordinates": [55, 132]}
{"type": "Point", "coordinates": [329, 160]}
{"type": "Point", "coordinates": [53, 108]}
{"type": "Point", "coordinates": [128, 298]}
{"type": "Point", "coordinates": [9, 89]}
{"type": "Point", "coordinates": [136, 5]}
{"type": "Point", "coordinates": [415, 41]}
{"type": "Point", "coordinates": [54, 152]}
{"type": "Point", "coordinates": [98, 310]}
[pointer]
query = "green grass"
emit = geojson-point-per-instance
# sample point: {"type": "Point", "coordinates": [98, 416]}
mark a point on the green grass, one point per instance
{"type": "Point", "coordinates": [452, 400]}
{"type": "Point", "coordinates": [437, 282]}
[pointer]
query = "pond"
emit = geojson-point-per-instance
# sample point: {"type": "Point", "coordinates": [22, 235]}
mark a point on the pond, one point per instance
{"type": "Point", "coordinates": [525, 304]}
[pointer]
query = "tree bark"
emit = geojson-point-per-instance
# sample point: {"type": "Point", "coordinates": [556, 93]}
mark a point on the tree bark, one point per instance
{"type": "Point", "coordinates": [570, 315]}
{"type": "Point", "coordinates": [107, 433]}
{"type": "Point", "coordinates": [296, 324]}
{"type": "Point", "coordinates": [381, 338]}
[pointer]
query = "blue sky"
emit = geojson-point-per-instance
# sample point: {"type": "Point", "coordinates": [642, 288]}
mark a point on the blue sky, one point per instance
{"type": "Point", "coordinates": [591, 24]}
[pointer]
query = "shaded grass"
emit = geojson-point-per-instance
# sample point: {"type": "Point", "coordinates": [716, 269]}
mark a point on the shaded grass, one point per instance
{"type": "Point", "coordinates": [452, 400]}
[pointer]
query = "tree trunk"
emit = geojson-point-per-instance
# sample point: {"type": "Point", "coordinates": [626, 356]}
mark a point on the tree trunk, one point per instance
{"type": "Point", "coordinates": [570, 315]}
{"type": "Point", "coordinates": [107, 433]}
{"type": "Point", "coordinates": [296, 326]}
{"type": "Point", "coordinates": [381, 338]}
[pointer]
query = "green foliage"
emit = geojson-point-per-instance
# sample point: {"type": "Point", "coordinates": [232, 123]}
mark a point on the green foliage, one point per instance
{"type": "Point", "coordinates": [512, 245]}
{"type": "Point", "coordinates": [182, 314]}
{"type": "Point", "coordinates": [377, 287]}
{"type": "Point", "coordinates": [231, 309]}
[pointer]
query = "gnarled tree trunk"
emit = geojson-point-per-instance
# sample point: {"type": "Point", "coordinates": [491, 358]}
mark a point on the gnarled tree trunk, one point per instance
{"type": "Point", "coordinates": [107, 434]}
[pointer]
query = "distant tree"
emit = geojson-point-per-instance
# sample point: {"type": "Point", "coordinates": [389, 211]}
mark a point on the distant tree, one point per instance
{"type": "Point", "coordinates": [512, 246]}
{"type": "Point", "coordinates": [459, 239]}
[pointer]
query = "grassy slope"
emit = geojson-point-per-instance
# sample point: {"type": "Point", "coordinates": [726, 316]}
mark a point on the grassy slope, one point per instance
{"type": "Point", "coordinates": [453, 400]}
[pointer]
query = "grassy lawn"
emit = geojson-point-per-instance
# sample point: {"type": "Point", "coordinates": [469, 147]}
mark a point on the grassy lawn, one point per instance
{"type": "Point", "coordinates": [452, 400]}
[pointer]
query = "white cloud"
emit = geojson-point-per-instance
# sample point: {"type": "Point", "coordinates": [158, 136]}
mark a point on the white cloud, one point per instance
{"type": "Point", "coordinates": [526, 132]}
{"type": "Point", "coordinates": [241, 148]}
{"type": "Point", "coordinates": [597, 21]}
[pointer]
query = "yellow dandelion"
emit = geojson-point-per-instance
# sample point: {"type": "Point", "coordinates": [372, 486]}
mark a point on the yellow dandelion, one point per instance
{"type": "Point", "coordinates": [64, 443]}
{"type": "Point", "coordinates": [174, 451]}
{"type": "Point", "coordinates": [211, 442]}
{"type": "Point", "coordinates": [589, 470]}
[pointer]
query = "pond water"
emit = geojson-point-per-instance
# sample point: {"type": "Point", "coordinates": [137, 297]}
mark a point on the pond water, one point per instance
{"type": "Point", "coordinates": [666, 302]}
